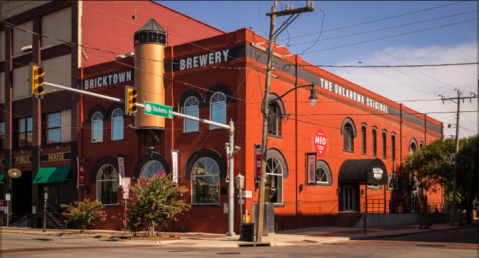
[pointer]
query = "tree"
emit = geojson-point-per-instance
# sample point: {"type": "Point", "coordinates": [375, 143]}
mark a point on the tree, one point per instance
{"type": "Point", "coordinates": [435, 166]}
{"type": "Point", "coordinates": [84, 213]}
{"type": "Point", "coordinates": [153, 202]}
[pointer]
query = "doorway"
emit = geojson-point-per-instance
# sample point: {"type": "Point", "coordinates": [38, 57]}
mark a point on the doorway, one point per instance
{"type": "Point", "coordinates": [348, 198]}
{"type": "Point", "coordinates": [22, 193]}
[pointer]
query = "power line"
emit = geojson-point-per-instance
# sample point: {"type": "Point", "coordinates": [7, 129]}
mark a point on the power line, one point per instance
{"type": "Point", "coordinates": [388, 66]}
{"type": "Point", "coordinates": [411, 113]}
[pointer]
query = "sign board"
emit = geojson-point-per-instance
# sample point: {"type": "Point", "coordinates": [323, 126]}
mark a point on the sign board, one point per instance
{"type": "Point", "coordinates": [225, 207]}
{"type": "Point", "coordinates": [378, 173]}
{"type": "Point", "coordinates": [81, 172]}
{"type": "Point", "coordinates": [14, 173]}
{"type": "Point", "coordinates": [121, 168]}
{"type": "Point", "coordinates": [158, 110]}
{"type": "Point", "coordinates": [125, 195]}
{"type": "Point", "coordinates": [126, 181]}
{"type": "Point", "coordinates": [246, 194]}
{"type": "Point", "coordinates": [7, 197]}
{"type": "Point", "coordinates": [311, 168]}
{"type": "Point", "coordinates": [258, 161]}
{"type": "Point", "coordinates": [2, 203]}
{"type": "Point", "coordinates": [320, 142]}
{"type": "Point", "coordinates": [174, 158]}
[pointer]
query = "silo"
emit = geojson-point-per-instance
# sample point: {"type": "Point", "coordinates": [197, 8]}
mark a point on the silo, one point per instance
{"type": "Point", "coordinates": [149, 43]}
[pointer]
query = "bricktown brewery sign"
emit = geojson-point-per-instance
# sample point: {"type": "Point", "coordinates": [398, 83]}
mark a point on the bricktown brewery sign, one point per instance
{"type": "Point", "coordinates": [205, 59]}
{"type": "Point", "coordinates": [106, 80]}
{"type": "Point", "coordinates": [59, 156]}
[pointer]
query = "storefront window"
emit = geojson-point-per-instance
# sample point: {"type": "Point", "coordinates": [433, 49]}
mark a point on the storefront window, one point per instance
{"type": "Point", "coordinates": [117, 125]}
{"type": "Point", "coordinates": [192, 109]}
{"type": "Point", "coordinates": [218, 109]}
{"type": "Point", "coordinates": [53, 128]}
{"type": "Point", "coordinates": [2, 135]}
{"type": "Point", "coordinates": [348, 137]}
{"type": "Point", "coordinates": [274, 119]}
{"type": "Point", "coordinates": [274, 181]}
{"type": "Point", "coordinates": [151, 168]}
{"type": "Point", "coordinates": [107, 185]}
{"type": "Point", "coordinates": [97, 128]}
{"type": "Point", "coordinates": [205, 182]}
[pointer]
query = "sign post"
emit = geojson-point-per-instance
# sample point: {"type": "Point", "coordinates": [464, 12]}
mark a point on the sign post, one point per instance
{"type": "Point", "coordinates": [7, 198]}
{"type": "Point", "coordinates": [126, 190]}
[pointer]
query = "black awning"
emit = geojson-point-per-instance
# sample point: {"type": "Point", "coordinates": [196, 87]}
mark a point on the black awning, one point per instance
{"type": "Point", "coordinates": [362, 171]}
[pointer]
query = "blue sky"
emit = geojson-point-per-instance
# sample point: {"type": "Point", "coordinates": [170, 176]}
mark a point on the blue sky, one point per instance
{"type": "Point", "coordinates": [448, 44]}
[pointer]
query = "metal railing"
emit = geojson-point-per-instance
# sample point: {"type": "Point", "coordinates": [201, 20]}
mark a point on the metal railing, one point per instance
{"type": "Point", "coordinates": [59, 215]}
{"type": "Point", "coordinates": [355, 216]}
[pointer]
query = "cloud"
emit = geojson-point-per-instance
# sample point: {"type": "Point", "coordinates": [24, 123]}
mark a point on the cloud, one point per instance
{"type": "Point", "coordinates": [422, 83]}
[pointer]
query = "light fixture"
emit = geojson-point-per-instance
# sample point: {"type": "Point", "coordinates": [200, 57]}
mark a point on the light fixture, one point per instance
{"type": "Point", "coordinates": [239, 181]}
{"type": "Point", "coordinates": [26, 48]}
{"type": "Point", "coordinates": [313, 99]}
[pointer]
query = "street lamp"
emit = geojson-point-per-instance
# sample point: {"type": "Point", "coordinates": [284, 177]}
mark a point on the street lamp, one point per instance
{"type": "Point", "coordinates": [313, 99]}
{"type": "Point", "coordinates": [240, 184]}
{"type": "Point", "coordinates": [45, 196]}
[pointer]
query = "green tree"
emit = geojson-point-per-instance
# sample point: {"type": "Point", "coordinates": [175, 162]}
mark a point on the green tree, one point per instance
{"type": "Point", "coordinates": [435, 166]}
{"type": "Point", "coordinates": [84, 213]}
{"type": "Point", "coordinates": [153, 201]}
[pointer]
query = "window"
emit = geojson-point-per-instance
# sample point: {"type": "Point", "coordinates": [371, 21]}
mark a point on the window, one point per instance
{"type": "Point", "coordinates": [52, 129]}
{"type": "Point", "coordinates": [393, 182]}
{"type": "Point", "coordinates": [151, 168]}
{"type": "Point", "coordinates": [24, 132]}
{"type": "Point", "coordinates": [421, 143]}
{"type": "Point", "coordinates": [412, 146]}
{"type": "Point", "coordinates": [384, 145]}
{"type": "Point", "coordinates": [321, 176]}
{"type": "Point", "coordinates": [57, 25]}
{"type": "Point", "coordinates": [2, 86]}
{"type": "Point", "coordinates": [348, 137]}
{"type": "Point", "coordinates": [374, 143]}
{"type": "Point", "coordinates": [274, 181]}
{"type": "Point", "coordinates": [21, 88]}
{"type": "Point", "coordinates": [218, 109]}
{"type": "Point", "coordinates": [393, 147]}
{"type": "Point", "coordinates": [97, 127]}
{"type": "Point", "coordinates": [323, 173]}
{"type": "Point", "coordinates": [58, 71]}
{"type": "Point", "coordinates": [192, 109]}
{"type": "Point", "coordinates": [363, 133]}
{"type": "Point", "coordinates": [117, 125]}
{"type": "Point", "coordinates": [107, 185]}
{"type": "Point", "coordinates": [2, 135]}
{"type": "Point", "coordinates": [374, 186]}
{"type": "Point", "coordinates": [414, 186]}
{"type": "Point", "coordinates": [274, 119]}
{"type": "Point", "coordinates": [2, 46]}
{"type": "Point", "coordinates": [205, 182]}
{"type": "Point", "coordinates": [21, 38]}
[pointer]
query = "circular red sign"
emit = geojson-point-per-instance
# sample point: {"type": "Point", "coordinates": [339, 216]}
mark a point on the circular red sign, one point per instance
{"type": "Point", "coordinates": [320, 142]}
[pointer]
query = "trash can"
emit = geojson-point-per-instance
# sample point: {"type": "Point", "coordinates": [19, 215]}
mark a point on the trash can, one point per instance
{"type": "Point", "coordinates": [247, 232]}
{"type": "Point", "coordinates": [268, 217]}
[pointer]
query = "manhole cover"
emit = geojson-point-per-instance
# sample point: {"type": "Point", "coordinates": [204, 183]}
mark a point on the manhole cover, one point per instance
{"type": "Point", "coordinates": [228, 253]}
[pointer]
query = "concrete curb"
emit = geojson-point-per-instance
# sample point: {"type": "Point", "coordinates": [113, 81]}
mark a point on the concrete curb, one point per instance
{"type": "Point", "coordinates": [97, 236]}
{"type": "Point", "coordinates": [407, 234]}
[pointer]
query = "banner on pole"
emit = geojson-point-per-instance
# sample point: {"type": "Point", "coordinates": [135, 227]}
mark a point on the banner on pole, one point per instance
{"type": "Point", "coordinates": [311, 168]}
{"type": "Point", "coordinates": [258, 154]}
{"type": "Point", "coordinates": [174, 158]}
{"type": "Point", "coordinates": [227, 164]}
{"type": "Point", "coordinates": [81, 163]}
{"type": "Point", "coordinates": [121, 169]}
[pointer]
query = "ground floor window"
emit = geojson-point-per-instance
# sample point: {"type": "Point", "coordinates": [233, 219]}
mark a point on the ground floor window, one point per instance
{"type": "Point", "coordinates": [107, 185]}
{"type": "Point", "coordinates": [205, 182]}
{"type": "Point", "coordinates": [274, 181]}
{"type": "Point", "coordinates": [151, 168]}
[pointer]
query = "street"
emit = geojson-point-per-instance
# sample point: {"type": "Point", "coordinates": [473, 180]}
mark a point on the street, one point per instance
{"type": "Point", "coordinates": [456, 243]}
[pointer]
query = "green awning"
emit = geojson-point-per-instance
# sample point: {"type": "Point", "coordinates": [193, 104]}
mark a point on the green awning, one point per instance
{"type": "Point", "coordinates": [52, 175]}
{"type": "Point", "coordinates": [1, 176]}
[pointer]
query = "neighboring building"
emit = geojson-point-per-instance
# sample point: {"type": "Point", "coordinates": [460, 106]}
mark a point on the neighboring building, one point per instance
{"type": "Point", "coordinates": [214, 75]}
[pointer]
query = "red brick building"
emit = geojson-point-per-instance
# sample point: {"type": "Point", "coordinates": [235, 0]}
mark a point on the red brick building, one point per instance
{"type": "Point", "coordinates": [217, 76]}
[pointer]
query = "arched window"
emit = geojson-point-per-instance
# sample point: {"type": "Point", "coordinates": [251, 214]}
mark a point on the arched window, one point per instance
{"type": "Point", "coordinates": [363, 135]}
{"type": "Point", "coordinates": [323, 173]}
{"type": "Point", "coordinates": [274, 119]}
{"type": "Point", "coordinates": [384, 145]}
{"type": "Point", "coordinates": [274, 181]}
{"type": "Point", "coordinates": [393, 146]}
{"type": "Point", "coordinates": [421, 143]}
{"type": "Point", "coordinates": [107, 185]}
{"type": "Point", "coordinates": [117, 125]}
{"type": "Point", "coordinates": [375, 141]}
{"type": "Point", "coordinates": [151, 168]}
{"type": "Point", "coordinates": [413, 146]}
{"type": "Point", "coordinates": [393, 181]}
{"type": "Point", "coordinates": [97, 127]}
{"type": "Point", "coordinates": [348, 137]}
{"type": "Point", "coordinates": [218, 109]}
{"type": "Point", "coordinates": [192, 109]}
{"type": "Point", "coordinates": [205, 182]}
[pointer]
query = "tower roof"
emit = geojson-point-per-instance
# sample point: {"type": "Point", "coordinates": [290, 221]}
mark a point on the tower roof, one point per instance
{"type": "Point", "coordinates": [151, 25]}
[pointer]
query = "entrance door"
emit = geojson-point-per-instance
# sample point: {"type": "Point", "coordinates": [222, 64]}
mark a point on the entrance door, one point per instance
{"type": "Point", "coordinates": [22, 193]}
{"type": "Point", "coordinates": [414, 202]}
{"type": "Point", "coordinates": [348, 198]}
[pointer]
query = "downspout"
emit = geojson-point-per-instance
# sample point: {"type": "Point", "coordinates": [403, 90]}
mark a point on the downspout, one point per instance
{"type": "Point", "coordinates": [296, 137]}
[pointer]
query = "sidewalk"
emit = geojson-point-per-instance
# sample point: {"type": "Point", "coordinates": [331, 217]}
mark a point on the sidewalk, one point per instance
{"type": "Point", "coordinates": [304, 236]}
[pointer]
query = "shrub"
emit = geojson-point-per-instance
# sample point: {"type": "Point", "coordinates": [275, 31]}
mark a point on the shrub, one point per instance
{"type": "Point", "coordinates": [84, 213]}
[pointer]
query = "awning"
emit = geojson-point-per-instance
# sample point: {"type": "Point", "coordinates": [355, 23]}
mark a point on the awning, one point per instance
{"type": "Point", "coordinates": [1, 176]}
{"type": "Point", "coordinates": [363, 171]}
{"type": "Point", "coordinates": [52, 175]}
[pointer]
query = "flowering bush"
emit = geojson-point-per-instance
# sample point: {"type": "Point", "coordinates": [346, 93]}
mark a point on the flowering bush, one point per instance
{"type": "Point", "coordinates": [153, 202]}
{"type": "Point", "coordinates": [84, 213]}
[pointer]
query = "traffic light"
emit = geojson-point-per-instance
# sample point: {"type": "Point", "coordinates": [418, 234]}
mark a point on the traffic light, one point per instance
{"type": "Point", "coordinates": [36, 79]}
{"type": "Point", "coordinates": [131, 99]}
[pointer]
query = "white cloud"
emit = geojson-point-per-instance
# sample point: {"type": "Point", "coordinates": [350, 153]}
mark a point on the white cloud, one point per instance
{"type": "Point", "coordinates": [409, 84]}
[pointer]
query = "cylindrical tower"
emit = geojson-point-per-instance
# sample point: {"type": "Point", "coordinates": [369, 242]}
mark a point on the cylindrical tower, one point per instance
{"type": "Point", "coordinates": [150, 42]}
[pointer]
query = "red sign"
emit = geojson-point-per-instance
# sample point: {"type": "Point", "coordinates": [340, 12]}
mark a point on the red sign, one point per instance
{"type": "Point", "coordinates": [258, 161]}
{"type": "Point", "coordinates": [81, 172]}
{"type": "Point", "coordinates": [1, 203]}
{"type": "Point", "coordinates": [320, 142]}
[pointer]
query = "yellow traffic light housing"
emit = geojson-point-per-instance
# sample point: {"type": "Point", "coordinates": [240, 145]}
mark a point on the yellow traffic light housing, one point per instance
{"type": "Point", "coordinates": [131, 99]}
{"type": "Point", "coordinates": [37, 73]}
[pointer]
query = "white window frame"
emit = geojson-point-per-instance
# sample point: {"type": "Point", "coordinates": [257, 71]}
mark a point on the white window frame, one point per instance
{"type": "Point", "coordinates": [193, 176]}
{"type": "Point", "coordinates": [198, 106]}
{"type": "Point", "coordinates": [92, 126]}
{"type": "Point", "coordinates": [147, 164]}
{"type": "Point", "coordinates": [98, 183]}
{"type": "Point", "coordinates": [212, 127]}
{"type": "Point", "coordinates": [279, 175]}
{"type": "Point", "coordinates": [393, 176]}
{"type": "Point", "coordinates": [112, 127]}
{"type": "Point", "coordinates": [325, 173]}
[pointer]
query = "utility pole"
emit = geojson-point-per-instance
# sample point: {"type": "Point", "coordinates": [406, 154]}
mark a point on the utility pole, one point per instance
{"type": "Point", "coordinates": [455, 159]}
{"type": "Point", "coordinates": [272, 35]}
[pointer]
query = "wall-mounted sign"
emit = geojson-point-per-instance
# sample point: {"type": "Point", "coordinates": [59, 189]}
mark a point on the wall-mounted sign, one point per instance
{"type": "Point", "coordinates": [49, 157]}
{"type": "Point", "coordinates": [1, 162]}
{"type": "Point", "coordinates": [81, 172]}
{"type": "Point", "coordinates": [106, 80]}
{"type": "Point", "coordinates": [311, 165]}
{"type": "Point", "coordinates": [378, 173]}
{"type": "Point", "coordinates": [320, 142]}
{"type": "Point", "coordinates": [14, 173]}
{"type": "Point", "coordinates": [121, 168]}
{"type": "Point", "coordinates": [205, 59]}
{"type": "Point", "coordinates": [258, 154]}
{"type": "Point", "coordinates": [174, 158]}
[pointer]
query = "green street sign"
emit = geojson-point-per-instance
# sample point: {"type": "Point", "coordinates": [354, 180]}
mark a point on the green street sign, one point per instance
{"type": "Point", "coordinates": [158, 110]}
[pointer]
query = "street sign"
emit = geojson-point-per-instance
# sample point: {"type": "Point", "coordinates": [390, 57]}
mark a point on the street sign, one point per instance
{"type": "Point", "coordinates": [7, 197]}
{"type": "Point", "coordinates": [125, 195]}
{"type": "Point", "coordinates": [246, 194]}
{"type": "Point", "coordinates": [158, 110]}
{"type": "Point", "coordinates": [126, 181]}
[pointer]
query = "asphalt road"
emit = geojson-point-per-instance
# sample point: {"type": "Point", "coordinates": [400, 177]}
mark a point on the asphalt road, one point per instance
{"type": "Point", "coordinates": [458, 243]}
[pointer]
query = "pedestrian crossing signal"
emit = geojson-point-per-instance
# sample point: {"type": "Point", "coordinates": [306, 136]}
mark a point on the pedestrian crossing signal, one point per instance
{"type": "Point", "coordinates": [37, 79]}
{"type": "Point", "coordinates": [131, 99]}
